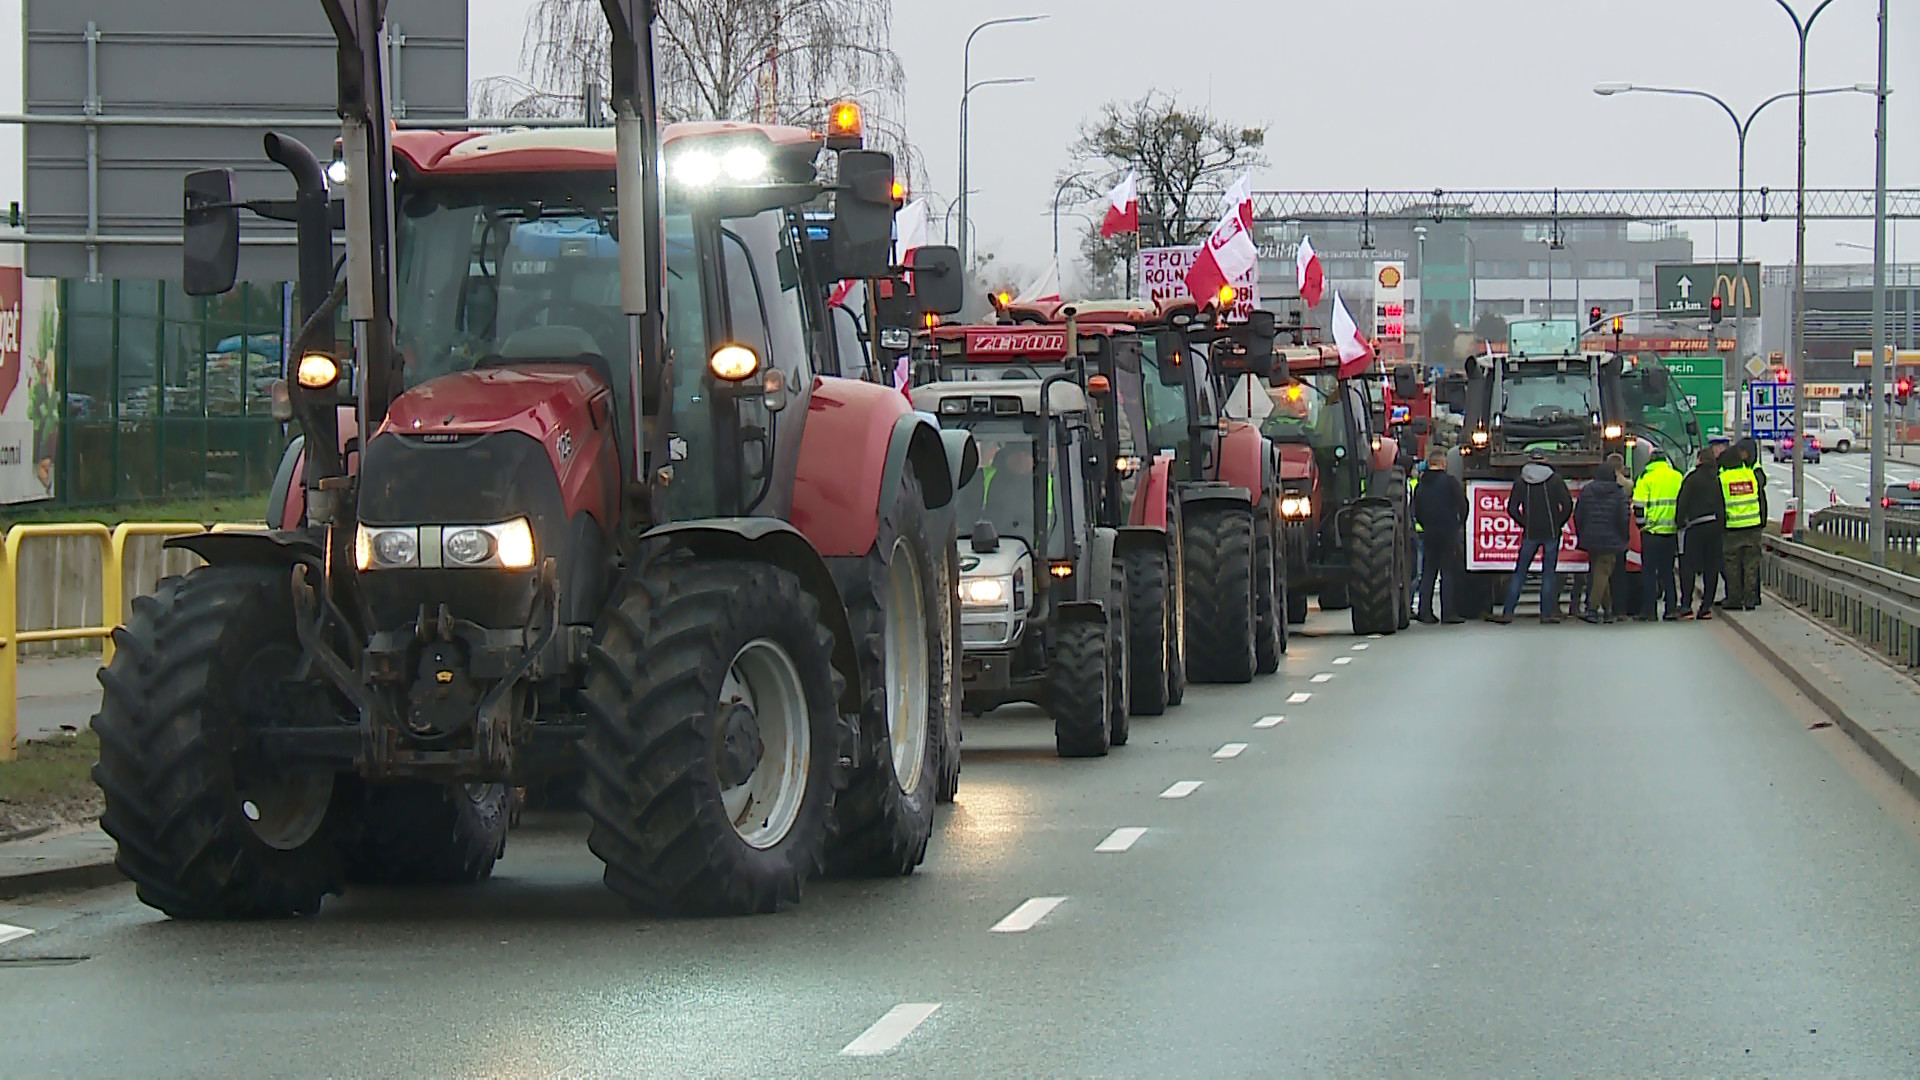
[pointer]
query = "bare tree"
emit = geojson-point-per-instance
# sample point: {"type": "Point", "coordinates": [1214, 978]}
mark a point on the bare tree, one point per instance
{"type": "Point", "coordinates": [769, 61]}
{"type": "Point", "coordinates": [1185, 157]}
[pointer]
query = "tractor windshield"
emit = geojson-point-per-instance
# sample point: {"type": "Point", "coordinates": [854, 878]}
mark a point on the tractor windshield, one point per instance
{"type": "Point", "coordinates": [1542, 394]}
{"type": "Point", "coordinates": [1003, 491]}
{"type": "Point", "coordinates": [1305, 411]}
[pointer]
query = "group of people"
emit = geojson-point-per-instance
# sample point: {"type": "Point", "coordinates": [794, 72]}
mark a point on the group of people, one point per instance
{"type": "Point", "coordinates": [1696, 531]}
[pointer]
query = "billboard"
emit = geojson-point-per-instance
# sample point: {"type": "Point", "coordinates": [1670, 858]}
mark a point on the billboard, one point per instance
{"type": "Point", "coordinates": [29, 383]}
{"type": "Point", "coordinates": [1685, 288]}
{"type": "Point", "coordinates": [1163, 276]}
{"type": "Point", "coordinates": [1493, 538]}
{"type": "Point", "coordinates": [105, 198]}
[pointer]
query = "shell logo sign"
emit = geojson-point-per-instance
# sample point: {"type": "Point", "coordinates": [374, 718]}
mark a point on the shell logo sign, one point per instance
{"type": "Point", "coordinates": [1390, 276]}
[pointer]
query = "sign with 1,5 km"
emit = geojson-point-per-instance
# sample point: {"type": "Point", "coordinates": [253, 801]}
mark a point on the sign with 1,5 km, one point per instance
{"type": "Point", "coordinates": [1684, 288]}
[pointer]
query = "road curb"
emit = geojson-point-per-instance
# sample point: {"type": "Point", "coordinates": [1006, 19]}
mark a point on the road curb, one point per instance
{"type": "Point", "coordinates": [90, 875]}
{"type": "Point", "coordinates": [1876, 748]}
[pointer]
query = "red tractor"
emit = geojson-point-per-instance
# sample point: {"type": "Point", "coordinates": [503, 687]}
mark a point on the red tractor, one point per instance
{"type": "Point", "coordinates": [1349, 531]}
{"type": "Point", "coordinates": [594, 505]}
{"type": "Point", "coordinates": [1224, 474]}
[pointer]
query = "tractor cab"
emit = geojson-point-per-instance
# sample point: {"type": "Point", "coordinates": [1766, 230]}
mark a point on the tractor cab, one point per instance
{"type": "Point", "coordinates": [1543, 393]}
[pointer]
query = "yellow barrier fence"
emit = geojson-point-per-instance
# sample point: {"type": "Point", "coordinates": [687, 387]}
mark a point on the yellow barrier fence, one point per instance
{"type": "Point", "coordinates": [113, 551]}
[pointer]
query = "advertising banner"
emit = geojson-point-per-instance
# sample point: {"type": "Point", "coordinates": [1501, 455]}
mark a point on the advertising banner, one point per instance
{"type": "Point", "coordinates": [29, 385]}
{"type": "Point", "coordinates": [1493, 539]}
{"type": "Point", "coordinates": [1163, 276]}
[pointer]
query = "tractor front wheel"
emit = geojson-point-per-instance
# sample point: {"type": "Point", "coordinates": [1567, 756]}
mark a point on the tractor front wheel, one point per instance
{"type": "Point", "coordinates": [1373, 553]}
{"type": "Point", "coordinates": [1149, 647]}
{"type": "Point", "coordinates": [1077, 688]}
{"type": "Point", "coordinates": [712, 705]}
{"type": "Point", "coordinates": [1220, 595]}
{"type": "Point", "coordinates": [1270, 639]}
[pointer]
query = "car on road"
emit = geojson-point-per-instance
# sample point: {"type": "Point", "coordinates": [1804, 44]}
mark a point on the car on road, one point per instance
{"type": "Point", "coordinates": [1902, 496]}
{"type": "Point", "coordinates": [1784, 450]}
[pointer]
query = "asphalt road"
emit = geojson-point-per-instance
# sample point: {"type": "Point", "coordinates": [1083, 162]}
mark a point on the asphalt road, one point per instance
{"type": "Point", "coordinates": [1467, 853]}
{"type": "Point", "coordinates": [1834, 478]}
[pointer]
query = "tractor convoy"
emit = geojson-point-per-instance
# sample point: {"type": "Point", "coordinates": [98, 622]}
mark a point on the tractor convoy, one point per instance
{"type": "Point", "coordinates": [614, 483]}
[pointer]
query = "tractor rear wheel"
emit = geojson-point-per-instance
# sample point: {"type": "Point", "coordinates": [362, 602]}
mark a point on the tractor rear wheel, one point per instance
{"type": "Point", "coordinates": [414, 833]}
{"type": "Point", "coordinates": [712, 711]}
{"type": "Point", "coordinates": [207, 830]}
{"type": "Point", "coordinates": [1220, 607]}
{"type": "Point", "coordinates": [1335, 596]}
{"type": "Point", "coordinates": [1270, 638]}
{"type": "Point", "coordinates": [1373, 553]}
{"type": "Point", "coordinates": [949, 661]}
{"type": "Point", "coordinates": [897, 610]}
{"type": "Point", "coordinates": [1176, 602]}
{"type": "Point", "coordinates": [1077, 687]}
{"type": "Point", "coordinates": [1119, 652]}
{"type": "Point", "coordinates": [1149, 647]}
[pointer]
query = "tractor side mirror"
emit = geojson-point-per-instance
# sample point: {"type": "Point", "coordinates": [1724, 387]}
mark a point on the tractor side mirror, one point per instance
{"type": "Point", "coordinates": [1657, 385]}
{"type": "Point", "coordinates": [1169, 347]}
{"type": "Point", "coordinates": [1405, 386]}
{"type": "Point", "coordinates": [936, 279]}
{"type": "Point", "coordinates": [1452, 392]}
{"type": "Point", "coordinates": [862, 233]}
{"type": "Point", "coordinates": [210, 234]}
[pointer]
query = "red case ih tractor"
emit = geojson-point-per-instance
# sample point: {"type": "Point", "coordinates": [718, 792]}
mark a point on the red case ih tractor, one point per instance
{"type": "Point", "coordinates": [1349, 522]}
{"type": "Point", "coordinates": [593, 508]}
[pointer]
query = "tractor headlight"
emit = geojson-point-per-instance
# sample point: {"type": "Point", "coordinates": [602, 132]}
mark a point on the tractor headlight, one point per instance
{"type": "Point", "coordinates": [317, 371]}
{"type": "Point", "coordinates": [380, 548]}
{"type": "Point", "coordinates": [468, 547]}
{"type": "Point", "coordinates": [744, 163]}
{"type": "Point", "coordinates": [1480, 438]}
{"type": "Point", "coordinates": [514, 543]}
{"type": "Point", "coordinates": [983, 592]}
{"type": "Point", "coordinates": [1296, 507]}
{"type": "Point", "coordinates": [696, 169]}
{"type": "Point", "coordinates": [1613, 431]}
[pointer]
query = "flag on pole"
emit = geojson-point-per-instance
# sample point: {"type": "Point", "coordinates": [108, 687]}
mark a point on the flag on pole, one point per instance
{"type": "Point", "coordinates": [1042, 290]}
{"type": "Point", "coordinates": [1228, 255]}
{"type": "Point", "coordinates": [1123, 208]}
{"type": "Point", "coordinates": [910, 227]}
{"type": "Point", "coordinates": [1309, 274]}
{"type": "Point", "coordinates": [1355, 354]}
{"type": "Point", "coordinates": [1240, 197]}
{"type": "Point", "coordinates": [902, 375]}
{"type": "Point", "coordinates": [843, 293]}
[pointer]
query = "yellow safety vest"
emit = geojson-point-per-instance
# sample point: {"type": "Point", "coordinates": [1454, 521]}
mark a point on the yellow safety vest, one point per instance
{"type": "Point", "coordinates": [1742, 491]}
{"type": "Point", "coordinates": [1413, 485]}
{"type": "Point", "coordinates": [1658, 493]}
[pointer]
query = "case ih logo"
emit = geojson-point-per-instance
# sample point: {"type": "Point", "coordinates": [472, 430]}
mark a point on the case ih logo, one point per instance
{"type": "Point", "coordinates": [1016, 342]}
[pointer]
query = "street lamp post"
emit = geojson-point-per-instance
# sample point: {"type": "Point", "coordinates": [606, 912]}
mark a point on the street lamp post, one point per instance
{"type": "Point", "coordinates": [1060, 189]}
{"type": "Point", "coordinates": [965, 98]}
{"type": "Point", "coordinates": [966, 88]}
{"type": "Point", "coordinates": [1741, 128]}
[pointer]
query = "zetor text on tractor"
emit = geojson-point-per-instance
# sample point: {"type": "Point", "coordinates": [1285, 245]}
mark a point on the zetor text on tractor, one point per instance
{"type": "Point", "coordinates": [595, 507]}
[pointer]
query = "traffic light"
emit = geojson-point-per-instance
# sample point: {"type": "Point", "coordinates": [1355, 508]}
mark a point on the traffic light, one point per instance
{"type": "Point", "coordinates": [1619, 325]}
{"type": "Point", "coordinates": [1594, 315]}
{"type": "Point", "coordinates": [1902, 389]}
{"type": "Point", "coordinates": [1716, 310]}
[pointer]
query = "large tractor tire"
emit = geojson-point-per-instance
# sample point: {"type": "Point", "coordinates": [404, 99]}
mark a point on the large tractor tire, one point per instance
{"type": "Point", "coordinates": [949, 660]}
{"type": "Point", "coordinates": [1077, 688]}
{"type": "Point", "coordinates": [1221, 621]}
{"type": "Point", "coordinates": [1296, 605]}
{"type": "Point", "coordinates": [414, 833]}
{"type": "Point", "coordinates": [1269, 591]}
{"type": "Point", "coordinates": [1119, 653]}
{"type": "Point", "coordinates": [206, 830]}
{"type": "Point", "coordinates": [1176, 603]}
{"type": "Point", "coordinates": [712, 718]}
{"type": "Point", "coordinates": [1373, 551]}
{"type": "Point", "coordinates": [1150, 646]}
{"type": "Point", "coordinates": [899, 611]}
{"type": "Point", "coordinates": [1335, 596]}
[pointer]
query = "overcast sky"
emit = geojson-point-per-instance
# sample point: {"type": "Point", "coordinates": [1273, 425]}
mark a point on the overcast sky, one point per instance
{"type": "Point", "coordinates": [1398, 94]}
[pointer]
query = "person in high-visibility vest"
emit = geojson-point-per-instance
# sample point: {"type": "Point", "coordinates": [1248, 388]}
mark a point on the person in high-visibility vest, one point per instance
{"type": "Point", "coordinates": [1656, 500]}
{"type": "Point", "coordinates": [1746, 523]}
{"type": "Point", "coordinates": [1419, 549]}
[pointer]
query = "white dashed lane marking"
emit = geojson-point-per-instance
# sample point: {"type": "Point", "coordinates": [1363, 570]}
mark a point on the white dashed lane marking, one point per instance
{"type": "Point", "coordinates": [1024, 917]}
{"type": "Point", "coordinates": [9, 932]}
{"type": "Point", "coordinates": [1180, 789]}
{"type": "Point", "coordinates": [887, 1032]}
{"type": "Point", "coordinates": [1269, 721]}
{"type": "Point", "coordinates": [1359, 646]}
{"type": "Point", "coordinates": [1120, 839]}
{"type": "Point", "coordinates": [1230, 750]}
{"type": "Point", "coordinates": [1325, 676]}
{"type": "Point", "coordinates": [1298, 697]}
{"type": "Point", "coordinates": [1343, 659]}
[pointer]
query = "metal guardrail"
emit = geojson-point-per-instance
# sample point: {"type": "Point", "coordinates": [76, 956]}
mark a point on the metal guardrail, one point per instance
{"type": "Point", "coordinates": [113, 552]}
{"type": "Point", "coordinates": [1850, 523]}
{"type": "Point", "coordinates": [1875, 605]}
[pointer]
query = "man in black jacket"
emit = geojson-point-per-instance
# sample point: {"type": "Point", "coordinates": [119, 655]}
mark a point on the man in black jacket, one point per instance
{"type": "Point", "coordinates": [1440, 506]}
{"type": "Point", "coordinates": [1600, 522]}
{"type": "Point", "coordinates": [1702, 513]}
{"type": "Point", "coordinates": [1540, 505]}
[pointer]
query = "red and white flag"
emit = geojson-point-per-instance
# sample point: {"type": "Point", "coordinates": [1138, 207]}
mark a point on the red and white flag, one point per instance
{"type": "Point", "coordinates": [902, 376]}
{"type": "Point", "coordinates": [1309, 274]}
{"type": "Point", "coordinates": [910, 230]}
{"type": "Point", "coordinates": [1240, 197]}
{"type": "Point", "coordinates": [843, 293]}
{"type": "Point", "coordinates": [1043, 290]}
{"type": "Point", "coordinates": [1123, 208]}
{"type": "Point", "coordinates": [1355, 354]}
{"type": "Point", "coordinates": [1228, 255]}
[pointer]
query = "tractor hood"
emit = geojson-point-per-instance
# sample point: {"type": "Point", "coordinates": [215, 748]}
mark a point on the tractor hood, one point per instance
{"type": "Point", "coordinates": [1296, 461]}
{"type": "Point", "coordinates": [1002, 563]}
{"type": "Point", "coordinates": [534, 398]}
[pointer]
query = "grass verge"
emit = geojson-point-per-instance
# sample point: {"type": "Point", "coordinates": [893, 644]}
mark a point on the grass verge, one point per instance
{"type": "Point", "coordinates": [49, 783]}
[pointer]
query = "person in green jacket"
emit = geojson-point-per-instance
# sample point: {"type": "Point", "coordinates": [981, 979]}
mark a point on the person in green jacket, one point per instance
{"type": "Point", "coordinates": [1656, 499]}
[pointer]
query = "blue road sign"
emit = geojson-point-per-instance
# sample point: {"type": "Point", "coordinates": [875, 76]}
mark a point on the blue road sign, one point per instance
{"type": "Point", "coordinates": [1771, 406]}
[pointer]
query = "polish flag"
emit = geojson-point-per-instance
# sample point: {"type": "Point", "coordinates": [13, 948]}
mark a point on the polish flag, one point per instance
{"type": "Point", "coordinates": [1308, 274]}
{"type": "Point", "coordinates": [1043, 290]}
{"type": "Point", "coordinates": [902, 376]}
{"type": "Point", "coordinates": [910, 228]}
{"type": "Point", "coordinates": [1123, 208]}
{"type": "Point", "coordinates": [1355, 354]}
{"type": "Point", "coordinates": [843, 292]}
{"type": "Point", "coordinates": [1228, 255]}
{"type": "Point", "coordinates": [1240, 197]}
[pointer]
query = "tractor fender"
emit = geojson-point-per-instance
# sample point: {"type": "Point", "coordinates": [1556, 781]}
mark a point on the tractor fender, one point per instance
{"type": "Point", "coordinates": [274, 547]}
{"type": "Point", "coordinates": [288, 493]}
{"type": "Point", "coordinates": [1080, 611]}
{"type": "Point", "coordinates": [1198, 495]}
{"type": "Point", "coordinates": [772, 541]}
{"type": "Point", "coordinates": [963, 455]}
{"type": "Point", "coordinates": [1243, 459]}
{"type": "Point", "coordinates": [1150, 497]}
{"type": "Point", "coordinates": [1132, 538]}
{"type": "Point", "coordinates": [858, 440]}
{"type": "Point", "coordinates": [1100, 564]}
